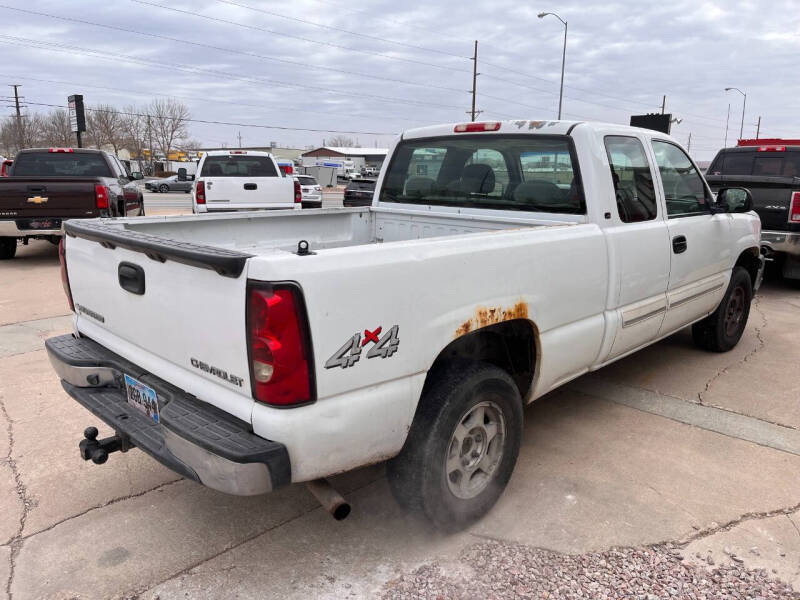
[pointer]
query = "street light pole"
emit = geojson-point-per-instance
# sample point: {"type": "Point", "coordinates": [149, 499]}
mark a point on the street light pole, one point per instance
{"type": "Point", "coordinates": [563, 58]}
{"type": "Point", "coordinates": [744, 105]}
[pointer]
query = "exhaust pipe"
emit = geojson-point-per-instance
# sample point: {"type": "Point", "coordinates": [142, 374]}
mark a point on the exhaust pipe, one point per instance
{"type": "Point", "coordinates": [330, 499]}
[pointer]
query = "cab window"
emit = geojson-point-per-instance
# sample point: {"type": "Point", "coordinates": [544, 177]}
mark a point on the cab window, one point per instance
{"type": "Point", "coordinates": [685, 192]}
{"type": "Point", "coordinates": [633, 181]}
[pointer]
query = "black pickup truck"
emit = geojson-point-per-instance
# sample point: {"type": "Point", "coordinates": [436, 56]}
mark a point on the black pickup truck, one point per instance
{"type": "Point", "coordinates": [770, 169]}
{"type": "Point", "coordinates": [47, 186]}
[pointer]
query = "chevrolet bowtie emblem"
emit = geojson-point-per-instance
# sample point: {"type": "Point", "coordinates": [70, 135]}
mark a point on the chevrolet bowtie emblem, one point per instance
{"type": "Point", "coordinates": [37, 200]}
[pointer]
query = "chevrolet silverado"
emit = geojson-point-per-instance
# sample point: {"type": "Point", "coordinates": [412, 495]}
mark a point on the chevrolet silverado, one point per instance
{"type": "Point", "coordinates": [497, 261]}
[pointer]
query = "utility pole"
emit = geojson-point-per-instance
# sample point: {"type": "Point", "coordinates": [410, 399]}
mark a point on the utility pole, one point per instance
{"type": "Point", "coordinates": [689, 145]}
{"type": "Point", "coordinates": [726, 124]}
{"type": "Point", "coordinates": [664, 104]}
{"type": "Point", "coordinates": [19, 115]}
{"type": "Point", "coordinates": [150, 143]}
{"type": "Point", "coordinates": [758, 127]}
{"type": "Point", "coordinates": [474, 78]}
{"type": "Point", "coordinates": [240, 139]}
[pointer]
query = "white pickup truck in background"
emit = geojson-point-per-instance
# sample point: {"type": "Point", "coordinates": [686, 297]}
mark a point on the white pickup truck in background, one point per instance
{"type": "Point", "coordinates": [231, 180]}
{"type": "Point", "coordinates": [498, 261]}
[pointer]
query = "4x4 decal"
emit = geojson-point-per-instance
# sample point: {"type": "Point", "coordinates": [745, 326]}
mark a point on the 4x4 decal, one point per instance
{"type": "Point", "coordinates": [350, 353]}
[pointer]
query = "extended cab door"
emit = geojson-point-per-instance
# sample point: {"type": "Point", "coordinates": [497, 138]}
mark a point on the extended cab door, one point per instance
{"type": "Point", "coordinates": [700, 245]}
{"type": "Point", "coordinates": [638, 244]}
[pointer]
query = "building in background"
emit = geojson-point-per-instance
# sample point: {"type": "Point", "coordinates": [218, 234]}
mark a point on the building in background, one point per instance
{"type": "Point", "coordinates": [344, 159]}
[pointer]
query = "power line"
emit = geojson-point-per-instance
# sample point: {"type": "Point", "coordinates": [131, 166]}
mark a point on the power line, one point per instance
{"type": "Point", "coordinates": [139, 92]}
{"type": "Point", "coordinates": [71, 49]}
{"type": "Point", "coordinates": [340, 30]}
{"type": "Point", "coordinates": [210, 122]}
{"type": "Point", "coordinates": [224, 49]}
{"type": "Point", "coordinates": [301, 38]}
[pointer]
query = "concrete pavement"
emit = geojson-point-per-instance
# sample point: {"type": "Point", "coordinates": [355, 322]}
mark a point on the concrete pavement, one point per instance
{"type": "Point", "coordinates": [620, 457]}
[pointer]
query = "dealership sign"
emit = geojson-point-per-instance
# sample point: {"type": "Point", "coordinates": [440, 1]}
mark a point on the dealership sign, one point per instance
{"type": "Point", "coordinates": [77, 119]}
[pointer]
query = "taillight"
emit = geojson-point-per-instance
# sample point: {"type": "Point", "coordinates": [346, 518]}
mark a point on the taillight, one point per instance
{"type": "Point", "coordinates": [281, 368]}
{"type": "Point", "coordinates": [62, 258]}
{"type": "Point", "coordinates": [61, 150]}
{"type": "Point", "coordinates": [772, 148]}
{"type": "Point", "coordinates": [298, 193]}
{"type": "Point", "coordinates": [200, 192]}
{"type": "Point", "coordinates": [101, 196]}
{"type": "Point", "coordinates": [794, 208]}
{"type": "Point", "coordinates": [471, 127]}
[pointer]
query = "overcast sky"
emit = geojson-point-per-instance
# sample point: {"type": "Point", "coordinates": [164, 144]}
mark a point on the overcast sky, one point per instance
{"type": "Point", "coordinates": [376, 68]}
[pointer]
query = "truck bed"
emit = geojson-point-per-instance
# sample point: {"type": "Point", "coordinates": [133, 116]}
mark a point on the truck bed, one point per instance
{"type": "Point", "coordinates": [261, 233]}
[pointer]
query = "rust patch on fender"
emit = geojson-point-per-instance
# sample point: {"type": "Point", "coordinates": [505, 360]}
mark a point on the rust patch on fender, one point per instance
{"type": "Point", "coordinates": [485, 316]}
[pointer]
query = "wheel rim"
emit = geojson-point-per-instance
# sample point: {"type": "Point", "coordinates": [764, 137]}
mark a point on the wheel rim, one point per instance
{"type": "Point", "coordinates": [475, 450]}
{"type": "Point", "coordinates": [734, 311]}
{"type": "Point", "coordinates": [164, 189]}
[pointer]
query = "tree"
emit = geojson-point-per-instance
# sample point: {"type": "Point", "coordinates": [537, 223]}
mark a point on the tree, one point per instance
{"type": "Point", "coordinates": [104, 127]}
{"type": "Point", "coordinates": [16, 134]}
{"type": "Point", "coordinates": [169, 123]}
{"type": "Point", "coordinates": [134, 127]}
{"type": "Point", "coordinates": [340, 141]}
{"type": "Point", "coordinates": [56, 129]}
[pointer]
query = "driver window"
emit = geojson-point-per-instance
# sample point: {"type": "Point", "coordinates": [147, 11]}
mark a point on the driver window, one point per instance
{"type": "Point", "coordinates": [633, 180]}
{"type": "Point", "coordinates": [684, 190]}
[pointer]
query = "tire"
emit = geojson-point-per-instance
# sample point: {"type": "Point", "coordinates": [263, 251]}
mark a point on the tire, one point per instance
{"type": "Point", "coordinates": [141, 208]}
{"type": "Point", "coordinates": [721, 330]}
{"type": "Point", "coordinates": [8, 248]}
{"type": "Point", "coordinates": [163, 188]}
{"type": "Point", "coordinates": [452, 402]}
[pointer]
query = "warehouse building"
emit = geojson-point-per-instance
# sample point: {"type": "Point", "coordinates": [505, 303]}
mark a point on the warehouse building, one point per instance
{"type": "Point", "coordinates": [350, 157]}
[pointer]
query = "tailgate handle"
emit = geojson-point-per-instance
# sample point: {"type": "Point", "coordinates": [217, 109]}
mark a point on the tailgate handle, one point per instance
{"type": "Point", "coordinates": [131, 278]}
{"type": "Point", "coordinates": [37, 189]}
{"type": "Point", "coordinates": [250, 186]}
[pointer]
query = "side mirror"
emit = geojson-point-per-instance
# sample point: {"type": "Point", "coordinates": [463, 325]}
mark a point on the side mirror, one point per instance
{"type": "Point", "coordinates": [734, 200]}
{"type": "Point", "coordinates": [137, 175]}
{"type": "Point", "coordinates": [182, 174]}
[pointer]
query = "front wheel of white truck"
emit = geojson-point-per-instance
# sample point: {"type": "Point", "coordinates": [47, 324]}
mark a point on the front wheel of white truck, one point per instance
{"type": "Point", "coordinates": [462, 446]}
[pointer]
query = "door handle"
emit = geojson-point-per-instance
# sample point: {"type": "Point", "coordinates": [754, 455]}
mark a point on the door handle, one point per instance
{"type": "Point", "coordinates": [250, 186]}
{"type": "Point", "coordinates": [679, 244]}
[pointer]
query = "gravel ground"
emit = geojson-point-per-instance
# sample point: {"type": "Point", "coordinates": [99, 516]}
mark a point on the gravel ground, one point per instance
{"type": "Point", "coordinates": [497, 570]}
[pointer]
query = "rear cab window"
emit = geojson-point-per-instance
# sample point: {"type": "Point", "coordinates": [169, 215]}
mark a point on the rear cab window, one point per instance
{"type": "Point", "coordinates": [61, 164]}
{"type": "Point", "coordinates": [752, 162]}
{"type": "Point", "coordinates": [304, 180]}
{"type": "Point", "coordinates": [238, 165]}
{"type": "Point", "coordinates": [534, 173]}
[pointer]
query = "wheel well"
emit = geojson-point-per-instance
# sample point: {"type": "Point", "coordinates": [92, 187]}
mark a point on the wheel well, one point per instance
{"type": "Point", "coordinates": [510, 345]}
{"type": "Point", "coordinates": [749, 260]}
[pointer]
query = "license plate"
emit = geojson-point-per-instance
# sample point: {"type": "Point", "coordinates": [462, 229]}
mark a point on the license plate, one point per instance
{"type": "Point", "coordinates": [142, 397]}
{"type": "Point", "coordinates": [44, 224]}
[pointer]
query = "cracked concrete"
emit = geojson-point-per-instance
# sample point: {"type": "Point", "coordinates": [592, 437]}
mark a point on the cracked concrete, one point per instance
{"type": "Point", "coordinates": [771, 543]}
{"type": "Point", "coordinates": [592, 473]}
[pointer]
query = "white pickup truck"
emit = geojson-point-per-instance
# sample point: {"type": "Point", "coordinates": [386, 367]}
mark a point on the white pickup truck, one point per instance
{"type": "Point", "coordinates": [233, 180]}
{"type": "Point", "coordinates": [498, 261]}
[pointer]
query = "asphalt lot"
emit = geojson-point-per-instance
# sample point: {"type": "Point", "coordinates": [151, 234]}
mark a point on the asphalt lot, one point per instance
{"type": "Point", "coordinates": [671, 445]}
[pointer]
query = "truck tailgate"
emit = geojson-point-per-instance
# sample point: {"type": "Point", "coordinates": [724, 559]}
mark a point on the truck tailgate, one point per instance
{"type": "Point", "coordinates": [166, 307]}
{"type": "Point", "coordinates": [52, 196]}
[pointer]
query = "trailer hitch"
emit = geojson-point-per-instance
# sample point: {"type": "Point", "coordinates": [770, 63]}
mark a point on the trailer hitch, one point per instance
{"type": "Point", "coordinates": [98, 450]}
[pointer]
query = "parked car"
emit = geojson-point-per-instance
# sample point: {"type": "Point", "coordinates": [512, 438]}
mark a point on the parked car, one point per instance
{"type": "Point", "coordinates": [352, 174]}
{"type": "Point", "coordinates": [45, 187]}
{"type": "Point", "coordinates": [770, 169]}
{"type": "Point", "coordinates": [311, 191]}
{"type": "Point", "coordinates": [359, 193]}
{"type": "Point", "coordinates": [229, 180]}
{"type": "Point", "coordinates": [298, 345]}
{"type": "Point", "coordinates": [369, 172]}
{"type": "Point", "coordinates": [169, 184]}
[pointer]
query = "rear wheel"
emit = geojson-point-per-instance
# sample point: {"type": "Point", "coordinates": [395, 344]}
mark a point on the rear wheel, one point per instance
{"type": "Point", "coordinates": [462, 446]}
{"type": "Point", "coordinates": [722, 329]}
{"type": "Point", "coordinates": [163, 188]}
{"type": "Point", "coordinates": [8, 247]}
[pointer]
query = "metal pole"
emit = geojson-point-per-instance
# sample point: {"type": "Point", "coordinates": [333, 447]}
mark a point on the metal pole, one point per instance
{"type": "Point", "coordinates": [80, 140]}
{"type": "Point", "coordinates": [474, 77]}
{"type": "Point", "coordinates": [744, 104]}
{"type": "Point", "coordinates": [689, 145]}
{"type": "Point", "coordinates": [663, 104]}
{"type": "Point", "coordinates": [758, 127]}
{"type": "Point", "coordinates": [563, 62]}
{"type": "Point", "coordinates": [726, 124]}
{"type": "Point", "coordinates": [19, 116]}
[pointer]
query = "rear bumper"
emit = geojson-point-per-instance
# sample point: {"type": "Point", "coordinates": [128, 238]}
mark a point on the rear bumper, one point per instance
{"type": "Point", "coordinates": [194, 439]}
{"type": "Point", "coordinates": [782, 241]}
{"type": "Point", "coordinates": [10, 228]}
